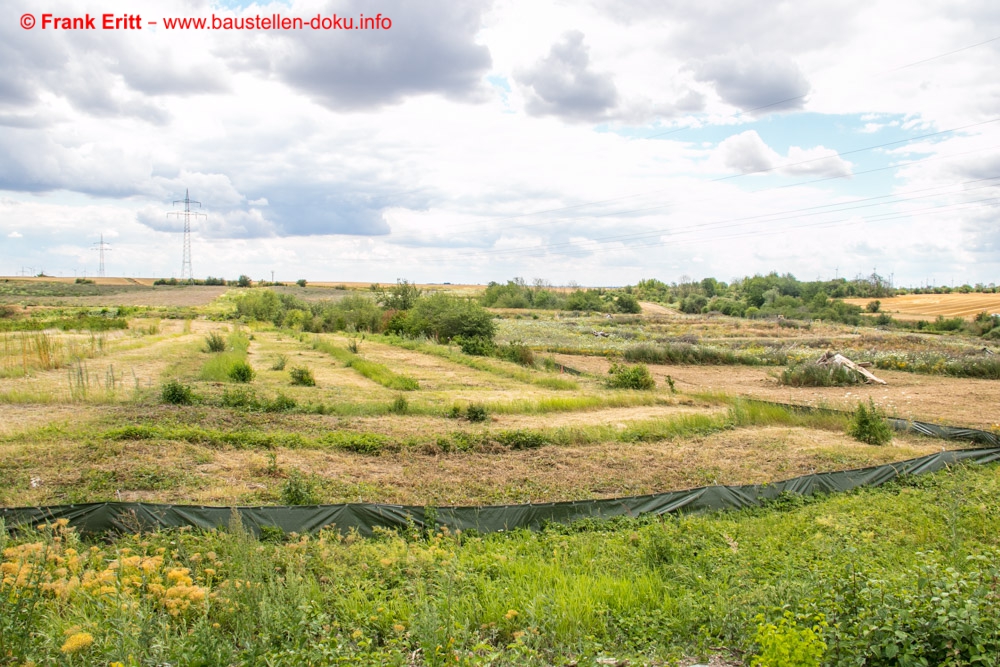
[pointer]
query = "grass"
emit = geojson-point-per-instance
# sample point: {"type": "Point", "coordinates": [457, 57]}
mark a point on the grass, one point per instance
{"type": "Point", "coordinates": [507, 370]}
{"type": "Point", "coordinates": [904, 567]}
{"type": "Point", "coordinates": [375, 372]}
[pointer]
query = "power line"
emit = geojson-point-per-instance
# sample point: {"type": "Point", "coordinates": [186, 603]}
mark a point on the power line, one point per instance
{"type": "Point", "coordinates": [101, 246]}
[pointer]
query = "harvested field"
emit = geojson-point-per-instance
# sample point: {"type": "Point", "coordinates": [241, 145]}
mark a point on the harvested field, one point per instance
{"type": "Point", "coordinates": [932, 306]}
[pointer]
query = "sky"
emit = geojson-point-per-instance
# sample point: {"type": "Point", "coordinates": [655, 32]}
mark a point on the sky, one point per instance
{"type": "Point", "coordinates": [594, 142]}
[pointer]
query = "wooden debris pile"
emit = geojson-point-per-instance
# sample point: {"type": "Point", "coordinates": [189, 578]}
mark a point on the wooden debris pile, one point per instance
{"type": "Point", "coordinates": [833, 359]}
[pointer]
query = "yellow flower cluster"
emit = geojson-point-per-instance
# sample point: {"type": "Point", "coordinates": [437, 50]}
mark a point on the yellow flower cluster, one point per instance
{"type": "Point", "coordinates": [54, 568]}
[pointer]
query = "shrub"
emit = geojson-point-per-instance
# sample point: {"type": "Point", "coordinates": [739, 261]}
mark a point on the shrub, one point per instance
{"type": "Point", "coordinates": [868, 425]}
{"type": "Point", "coordinates": [302, 377]}
{"type": "Point", "coordinates": [624, 376]}
{"type": "Point", "coordinates": [279, 363]}
{"type": "Point", "coordinates": [299, 490]}
{"type": "Point", "coordinates": [517, 352]}
{"type": "Point", "coordinates": [399, 406]}
{"type": "Point", "coordinates": [241, 371]}
{"type": "Point", "coordinates": [444, 317]}
{"type": "Point", "coordinates": [279, 403]}
{"type": "Point", "coordinates": [788, 645]}
{"type": "Point", "coordinates": [477, 412]}
{"type": "Point", "coordinates": [176, 393]}
{"type": "Point", "coordinates": [215, 342]}
{"type": "Point", "coordinates": [239, 397]}
{"type": "Point", "coordinates": [301, 282]}
{"type": "Point", "coordinates": [475, 345]}
{"type": "Point", "coordinates": [873, 306]}
{"type": "Point", "coordinates": [812, 374]}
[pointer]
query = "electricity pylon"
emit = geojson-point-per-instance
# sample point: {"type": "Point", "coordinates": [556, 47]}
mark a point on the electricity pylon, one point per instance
{"type": "Point", "coordinates": [186, 270]}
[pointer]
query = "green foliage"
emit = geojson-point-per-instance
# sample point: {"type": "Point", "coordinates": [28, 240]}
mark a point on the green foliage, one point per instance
{"type": "Point", "coordinates": [786, 644]}
{"type": "Point", "coordinates": [279, 362]}
{"type": "Point", "coordinates": [517, 352]}
{"type": "Point", "coordinates": [873, 306]}
{"type": "Point", "coordinates": [708, 355]}
{"type": "Point", "coordinates": [811, 374]}
{"type": "Point", "coordinates": [402, 296]}
{"type": "Point", "coordinates": [399, 406]}
{"type": "Point", "coordinates": [176, 393]}
{"type": "Point", "coordinates": [477, 346]}
{"type": "Point", "coordinates": [373, 371]}
{"type": "Point", "coordinates": [444, 317]}
{"type": "Point", "coordinates": [244, 281]}
{"type": "Point", "coordinates": [299, 489]}
{"type": "Point", "coordinates": [868, 425]}
{"type": "Point", "coordinates": [371, 444]}
{"type": "Point", "coordinates": [302, 376]}
{"type": "Point", "coordinates": [477, 412]}
{"type": "Point", "coordinates": [624, 376]}
{"type": "Point", "coordinates": [301, 282]}
{"type": "Point", "coordinates": [241, 371]}
{"type": "Point", "coordinates": [215, 342]}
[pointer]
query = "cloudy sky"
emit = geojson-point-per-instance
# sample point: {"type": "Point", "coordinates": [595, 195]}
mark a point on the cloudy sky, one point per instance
{"type": "Point", "coordinates": [592, 141]}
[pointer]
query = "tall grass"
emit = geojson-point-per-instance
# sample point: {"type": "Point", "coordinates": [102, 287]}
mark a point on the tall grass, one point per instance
{"type": "Point", "coordinates": [889, 571]}
{"type": "Point", "coordinates": [25, 352]}
{"type": "Point", "coordinates": [507, 370]}
{"type": "Point", "coordinates": [374, 371]}
{"type": "Point", "coordinates": [689, 353]}
{"type": "Point", "coordinates": [220, 366]}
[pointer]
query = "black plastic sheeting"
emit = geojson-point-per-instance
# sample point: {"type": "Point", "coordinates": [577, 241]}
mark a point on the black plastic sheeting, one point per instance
{"type": "Point", "coordinates": [116, 517]}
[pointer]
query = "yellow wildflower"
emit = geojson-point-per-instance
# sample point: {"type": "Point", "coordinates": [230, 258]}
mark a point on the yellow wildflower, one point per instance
{"type": "Point", "coordinates": [510, 615]}
{"type": "Point", "coordinates": [78, 642]}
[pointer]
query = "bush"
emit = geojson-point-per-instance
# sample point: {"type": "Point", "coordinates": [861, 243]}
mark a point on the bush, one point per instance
{"type": "Point", "coordinates": [399, 406]}
{"type": "Point", "coordinates": [279, 403]}
{"type": "Point", "coordinates": [176, 393]}
{"type": "Point", "coordinates": [301, 282]}
{"type": "Point", "coordinates": [477, 412]}
{"type": "Point", "coordinates": [302, 377]}
{"type": "Point", "coordinates": [624, 376]}
{"type": "Point", "coordinates": [517, 352]}
{"type": "Point", "coordinates": [239, 397]}
{"type": "Point", "coordinates": [812, 374]}
{"type": "Point", "coordinates": [299, 490]}
{"type": "Point", "coordinates": [443, 318]}
{"type": "Point", "coordinates": [477, 346]}
{"type": "Point", "coordinates": [788, 645]}
{"type": "Point", "coordinates": [873, 306]}
{"type": "Point", "coordinates": [868, 425]}
{"type": "Point", "coordinates": [241, 371]}
{"type": "Point", "coordinates": [279, 363]}
{"type": "Point", "coordinates": [215, 342]}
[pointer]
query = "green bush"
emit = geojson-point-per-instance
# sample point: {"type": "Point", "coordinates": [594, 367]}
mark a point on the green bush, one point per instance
{"type": "Point", "coordinates": [477, 412]}
{"type": "Point", "coordinates": [785, 644]}
{"type": "Point", "coordinates": [301, 282]}
{"type": "Point", "coordinates": [215, 342]}
{"type": "Point", "coordinates": [279, 363]}
{"type": "Point", "coordinates": [444, 317]}
{"type": "Point", "coordinates": [241, 371]}
{"type": "Point", "coordinates": [624, 376]}
{"type": "Point", "coordinates": [517, 352]}
{"type": "Point", "coordinates": [868, 425]}
{"type": "Point", "coordinates": [240, 397]}
{"type": "Point", "coordinates": [302, 377]}
{"type": "Point", "coordinates": [299, 489]}
{"type": "Point", "coordinates": [812, 374]}
{"type": "Point", "coordinates": [176, 393]}
{"type": "Point", "coordinates": [476, 345]}
{"type": "Point", "coordinates": [399, 406]}
{"type": "Point", "coordinates": [279, 403]}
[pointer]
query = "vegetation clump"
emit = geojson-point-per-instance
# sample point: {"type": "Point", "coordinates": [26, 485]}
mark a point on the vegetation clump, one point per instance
{"type": "Point", "coordinates": [624, 376]}
{"type": "Point", "coordinates": [176, 393]}
{"type": "Point", "coordinates": [302, 376]}
{"type": "Point", "coordinates": [868, 424]}
{"type": "Point", "coordinates": [215, 342]}
{"type": "Point", "coordinates": [811, 374]}
{"type": "Point", "coordinates": [241, 371]}
{"type": "Point", "coordinates": [477, 412]}
{"type": "Point", "coordinates": [299, 489]}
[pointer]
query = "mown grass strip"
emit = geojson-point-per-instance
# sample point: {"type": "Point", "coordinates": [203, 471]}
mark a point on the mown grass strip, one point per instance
{"type": "Point", "coordinates": [502, 369]}
{"type": "Point", "coordinates": [375, 372]}
{"type": "Point", "coordinates": [242, 439]}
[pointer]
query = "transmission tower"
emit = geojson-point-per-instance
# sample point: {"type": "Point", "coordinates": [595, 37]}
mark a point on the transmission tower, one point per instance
{"type": "Point", "coordinates": [186, 271]}
{"type": "Point", "coordinates": [101, 246]}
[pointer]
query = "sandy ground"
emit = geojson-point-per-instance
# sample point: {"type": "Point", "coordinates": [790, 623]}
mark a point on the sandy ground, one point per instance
{"type": "Point", "coordinates": [929, 306]}
{"type": "Point", "coordinates": [955, 401]}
